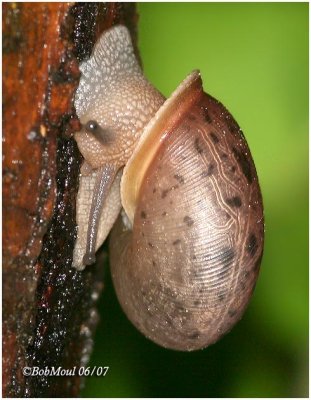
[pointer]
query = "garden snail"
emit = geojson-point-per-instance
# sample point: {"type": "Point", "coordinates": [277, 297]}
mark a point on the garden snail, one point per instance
{"type": "Point", "coordinates": [185, 252]}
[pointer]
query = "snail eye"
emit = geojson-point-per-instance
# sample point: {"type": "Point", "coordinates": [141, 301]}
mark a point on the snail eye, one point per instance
{"type": "Point", "coordinates": [92, 127]}
{"type": "Point", "coordinates": [104, 135]}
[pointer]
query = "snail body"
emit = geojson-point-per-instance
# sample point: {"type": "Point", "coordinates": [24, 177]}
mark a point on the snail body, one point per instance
{"type": "Point", "coordinates": [185, 254]}
{"type": "Point", "coordinates": [114, 94]}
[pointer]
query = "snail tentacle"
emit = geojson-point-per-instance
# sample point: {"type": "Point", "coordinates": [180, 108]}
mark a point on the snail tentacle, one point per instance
{"type": "Point", "coordinates": [105, 177]}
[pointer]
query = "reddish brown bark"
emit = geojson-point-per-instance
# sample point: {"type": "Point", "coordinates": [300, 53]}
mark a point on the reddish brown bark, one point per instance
{"type": "Point", "coordinates": [49, 309]}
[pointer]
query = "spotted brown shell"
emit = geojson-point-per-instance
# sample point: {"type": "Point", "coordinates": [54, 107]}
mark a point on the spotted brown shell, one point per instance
{"type": "Point", "coordinates": [186, 271]}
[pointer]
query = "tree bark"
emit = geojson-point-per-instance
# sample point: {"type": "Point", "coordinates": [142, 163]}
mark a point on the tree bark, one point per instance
{"type": "Point", "coordinates": [49, 309]}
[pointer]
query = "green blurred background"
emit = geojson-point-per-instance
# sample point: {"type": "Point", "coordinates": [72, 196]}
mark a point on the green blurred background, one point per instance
{"type": "Point", "coordinates": [253, 58]}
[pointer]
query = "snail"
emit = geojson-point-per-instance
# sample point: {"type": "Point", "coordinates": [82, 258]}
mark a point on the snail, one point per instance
{"type": "Point", "coordinates": [185, 250]}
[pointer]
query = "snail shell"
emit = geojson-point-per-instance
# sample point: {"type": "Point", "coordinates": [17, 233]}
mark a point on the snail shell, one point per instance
{"type": "Point", "coordinates": [185, 272]}
{"type": "Point", "coordinates": [186, 253]}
